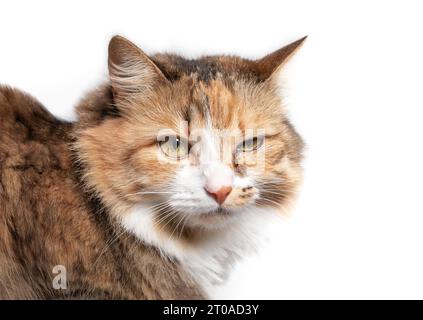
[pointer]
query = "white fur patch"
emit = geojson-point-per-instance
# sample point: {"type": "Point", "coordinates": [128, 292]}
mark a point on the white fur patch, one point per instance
{"type": "Point", "coordinates": [209, 260]}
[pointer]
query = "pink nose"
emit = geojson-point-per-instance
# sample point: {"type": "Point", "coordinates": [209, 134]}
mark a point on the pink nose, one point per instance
{"type": "Point", "coordinates": [221, 194]}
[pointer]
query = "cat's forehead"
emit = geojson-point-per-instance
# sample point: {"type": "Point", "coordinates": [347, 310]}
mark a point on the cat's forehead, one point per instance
{"type": "Point", "coordinates": [220, 103]}
{"type": "Point", "coordinates": [215, 105]}
{"type": "Point", "coordinates": [232, 105]}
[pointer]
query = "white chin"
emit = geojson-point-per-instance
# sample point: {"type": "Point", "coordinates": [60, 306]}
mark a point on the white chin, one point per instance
{"type": "Point", "coordinates": [215, 219]}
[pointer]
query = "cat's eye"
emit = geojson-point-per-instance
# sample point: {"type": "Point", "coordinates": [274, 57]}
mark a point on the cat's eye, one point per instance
{"type": "Point", "coordinates": [174, 147]}
{"type": "Point", "coordinates": [251, 144]}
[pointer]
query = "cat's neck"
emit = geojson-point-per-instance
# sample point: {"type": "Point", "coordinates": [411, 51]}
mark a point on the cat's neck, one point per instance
{"type": "Point", "coordinates": [206, 254]}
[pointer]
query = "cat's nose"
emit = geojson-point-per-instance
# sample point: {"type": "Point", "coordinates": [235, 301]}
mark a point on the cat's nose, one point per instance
{"type": "Point", "coordinates": [219, 195]}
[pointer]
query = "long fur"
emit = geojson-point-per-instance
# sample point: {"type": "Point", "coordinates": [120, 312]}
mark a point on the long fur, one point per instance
{"type": "Point", "coordinates": [101, 198]}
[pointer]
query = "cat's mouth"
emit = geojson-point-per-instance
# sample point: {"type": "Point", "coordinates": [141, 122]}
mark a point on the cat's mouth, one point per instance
{"type": "Point", "coordinates": [220, 211]}
{"type": "Point", "coordinates": [212, 219]}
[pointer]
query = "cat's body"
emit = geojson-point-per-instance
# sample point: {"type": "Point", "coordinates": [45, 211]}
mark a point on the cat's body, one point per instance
{"type": "Point", "coordinates": [91, 196]}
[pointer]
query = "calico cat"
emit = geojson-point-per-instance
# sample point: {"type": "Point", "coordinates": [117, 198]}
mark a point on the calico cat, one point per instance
{"type": "Point", "coordinates": [163, 181]}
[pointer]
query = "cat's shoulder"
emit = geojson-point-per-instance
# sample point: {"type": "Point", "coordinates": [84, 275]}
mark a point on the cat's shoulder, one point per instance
{"type": "Point", "coordinates": [20, 113]}
{"type": "Point", "coordinates": [29, 133]}
{"type": "Point", "coordinates": [15, 103]}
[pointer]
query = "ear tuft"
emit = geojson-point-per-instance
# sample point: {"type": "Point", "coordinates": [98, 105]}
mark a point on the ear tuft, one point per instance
{"type": "Point", "coordinates": [273, 62]}
{"type": "Point", "coordinates": [131, 71]}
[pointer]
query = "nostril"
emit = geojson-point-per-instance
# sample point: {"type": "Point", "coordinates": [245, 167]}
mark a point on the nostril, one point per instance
{"type": "Point", "coordinates": [220, 195]}
{"type": "Point", "coordinates": [211, 194]}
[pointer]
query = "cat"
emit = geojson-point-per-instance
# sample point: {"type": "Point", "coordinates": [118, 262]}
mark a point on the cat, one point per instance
{"type": "Point", "coordinates": [134, 200]}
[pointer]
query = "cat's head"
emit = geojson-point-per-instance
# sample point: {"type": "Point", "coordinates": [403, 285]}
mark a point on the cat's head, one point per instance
{"type": "Point", "coordinates": [198, 142]}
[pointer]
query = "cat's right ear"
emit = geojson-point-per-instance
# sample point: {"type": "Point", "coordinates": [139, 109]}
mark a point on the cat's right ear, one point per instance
{"type": "Point", "coordinates": [131, 71]}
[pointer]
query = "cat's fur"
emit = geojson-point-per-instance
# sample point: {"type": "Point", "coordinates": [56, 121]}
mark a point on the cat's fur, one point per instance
{"type": "Point", "coordinates": [82, 194]}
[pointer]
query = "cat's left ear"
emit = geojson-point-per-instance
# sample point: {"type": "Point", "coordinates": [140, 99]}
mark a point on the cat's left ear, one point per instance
{"type": "Point", "coordinates": [269, 66]}
{"type": "Point", "coordinates": [131, 71]}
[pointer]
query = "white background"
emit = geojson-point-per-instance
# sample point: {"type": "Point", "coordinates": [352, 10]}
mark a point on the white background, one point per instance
{"type": "Point", "coordinates": [354, 92]}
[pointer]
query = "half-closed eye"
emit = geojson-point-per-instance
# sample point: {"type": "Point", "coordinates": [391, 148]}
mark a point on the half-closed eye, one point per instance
{"type": "Point", "coordinates": [251, 144]}
{"type": "Point", "coordinates": [174, 147]}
